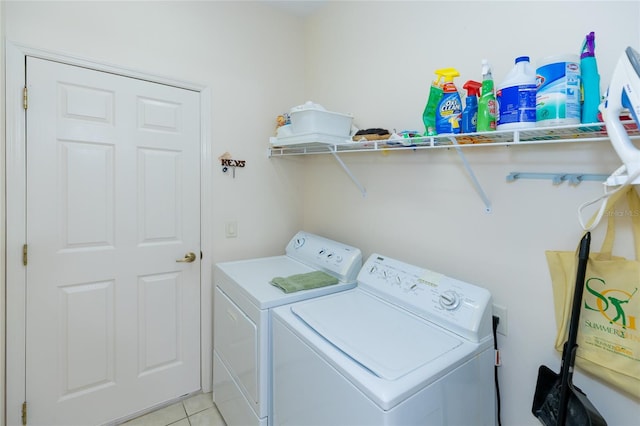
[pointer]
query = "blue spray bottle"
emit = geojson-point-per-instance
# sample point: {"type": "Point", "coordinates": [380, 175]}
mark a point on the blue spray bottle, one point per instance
{"type": "Point", "coordinates": [590, 80]}
{"type": "Point", "coordinates": [470, 112]}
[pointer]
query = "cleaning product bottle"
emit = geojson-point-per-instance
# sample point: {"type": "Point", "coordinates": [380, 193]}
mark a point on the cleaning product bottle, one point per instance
{"type": "Point", "coordinates": [590, 80]}
{"type": "Point", "coordinates": [487, 105]}
{"type": "Point", "coordinates": [516, 96]}
{"type": "Point", "coordinates": [449, 111]}
{"type": "Point", "coordinates": [429, 113]}
{"type": "Point", "coordinates": [470, 112]}
{"type": "Point", "coordinates": [558, 90]}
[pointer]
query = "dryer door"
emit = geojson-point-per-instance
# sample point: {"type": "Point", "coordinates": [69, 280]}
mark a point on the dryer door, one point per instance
{"type": "Point", "coordinates": [236, 341]}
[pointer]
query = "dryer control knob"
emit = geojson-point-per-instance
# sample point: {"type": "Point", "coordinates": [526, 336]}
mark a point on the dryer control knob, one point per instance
{"type": "Point", "coordinates": [449, 300]}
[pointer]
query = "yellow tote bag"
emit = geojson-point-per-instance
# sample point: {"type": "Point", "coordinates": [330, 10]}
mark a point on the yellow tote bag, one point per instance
{"type": "Point", "coordinates": [609, 332]}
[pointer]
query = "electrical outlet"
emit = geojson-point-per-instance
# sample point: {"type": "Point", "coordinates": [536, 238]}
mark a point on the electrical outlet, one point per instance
{"type": "Point", "coordinates": [501, 313]}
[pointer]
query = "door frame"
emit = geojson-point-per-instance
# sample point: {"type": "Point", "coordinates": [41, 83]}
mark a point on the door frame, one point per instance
{"type": "Point", "coordinates": [14, 225]}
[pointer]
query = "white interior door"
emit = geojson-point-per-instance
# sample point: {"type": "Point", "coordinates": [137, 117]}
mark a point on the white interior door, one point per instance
{"type": "Point", "coordinates": [112, 319]}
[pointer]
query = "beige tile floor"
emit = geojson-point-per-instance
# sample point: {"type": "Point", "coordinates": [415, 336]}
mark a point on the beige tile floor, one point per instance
{"type": "Point", "coordinates": [199, 410]}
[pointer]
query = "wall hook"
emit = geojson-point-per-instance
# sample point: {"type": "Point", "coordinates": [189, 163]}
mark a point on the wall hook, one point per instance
{"type": "Point", "coordinates": [558, 178]}
{"type": "Point", "coordinates": [227, 162]}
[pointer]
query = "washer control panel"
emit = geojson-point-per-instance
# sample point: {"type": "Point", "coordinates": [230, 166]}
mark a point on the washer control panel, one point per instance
{"type": "Point", "coordinates": [340, 260]}
{"type": "Point", "coordinates": [460, 307]}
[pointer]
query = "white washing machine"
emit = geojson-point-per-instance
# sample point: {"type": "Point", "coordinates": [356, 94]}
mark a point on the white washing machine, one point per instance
{"type": "Point", "coordinates": [243, 302]}
{"type": "Point", "coordinates": [407, 346]}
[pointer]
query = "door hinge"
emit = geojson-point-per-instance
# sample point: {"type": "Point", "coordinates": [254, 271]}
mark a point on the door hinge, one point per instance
{"type": "Point", "coordinates": [25, 254]}
{"type": "Point", "coordinates": [25, 97]}
{"type": "Point", "coordinates": [24, 413]}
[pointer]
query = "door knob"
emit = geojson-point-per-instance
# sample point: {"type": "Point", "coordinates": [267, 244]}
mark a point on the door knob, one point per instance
{"type": "Point", "coordinates": [188, 258]}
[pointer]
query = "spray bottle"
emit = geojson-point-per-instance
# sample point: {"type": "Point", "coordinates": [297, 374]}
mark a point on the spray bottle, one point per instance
{"type": "Point", "coordinates": [435, 94]}
{"type": "Point", "coordinates": [590, 80]}
{"type": "Point", "coordinates": [470, 112]}
{"type": "Point", "coordinates": [449, 109]}
{"type": "Point", "coordinates": [487, 105]}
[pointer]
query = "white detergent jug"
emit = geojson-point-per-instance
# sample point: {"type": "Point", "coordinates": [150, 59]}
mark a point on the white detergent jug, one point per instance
{"type": "Point", "coordinates": [516, 97]}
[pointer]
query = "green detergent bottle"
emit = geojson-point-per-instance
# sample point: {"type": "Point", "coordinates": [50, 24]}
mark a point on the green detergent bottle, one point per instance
{"type": "Point", "coordinates": [435, 94]}
{"type": "Point", "coordinates": [487, 105]}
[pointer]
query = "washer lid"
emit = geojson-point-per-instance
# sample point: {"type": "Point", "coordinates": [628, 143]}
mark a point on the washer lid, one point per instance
{"type": "Point", "coordinates": [387, 340]}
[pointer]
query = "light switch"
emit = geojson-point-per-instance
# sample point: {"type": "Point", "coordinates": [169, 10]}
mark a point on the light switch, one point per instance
{"type": "Point", "coordinates": [231, 229]}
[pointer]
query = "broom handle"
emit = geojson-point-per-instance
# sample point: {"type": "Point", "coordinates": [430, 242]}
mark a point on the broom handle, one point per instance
{"type": "Point", "coordinates": [570, 347]}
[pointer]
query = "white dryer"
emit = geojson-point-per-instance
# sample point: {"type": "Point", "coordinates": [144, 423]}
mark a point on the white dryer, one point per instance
{"type": "Point", "coordinates": [407, 346]}
{"type": "Point", "coordinates": [243, 301]}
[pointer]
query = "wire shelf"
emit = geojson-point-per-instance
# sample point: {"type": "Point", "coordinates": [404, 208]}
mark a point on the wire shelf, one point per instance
{"type": "Point", "coordinates": [593, 132]}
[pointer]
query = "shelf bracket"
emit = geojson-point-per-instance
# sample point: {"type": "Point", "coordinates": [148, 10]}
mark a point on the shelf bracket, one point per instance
{"type": "Point", "coordinates": [558, 178]}
{"type": "Point", "coordinates": [474, 179]}
{"type": "Point", "coordinates": [362, 189]}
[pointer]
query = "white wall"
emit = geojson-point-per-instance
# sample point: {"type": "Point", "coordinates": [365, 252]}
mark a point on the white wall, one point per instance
{"type": "Point", "coordinates": [376, 60]}
{"type": "Point", "coordinates": [2, 230]}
